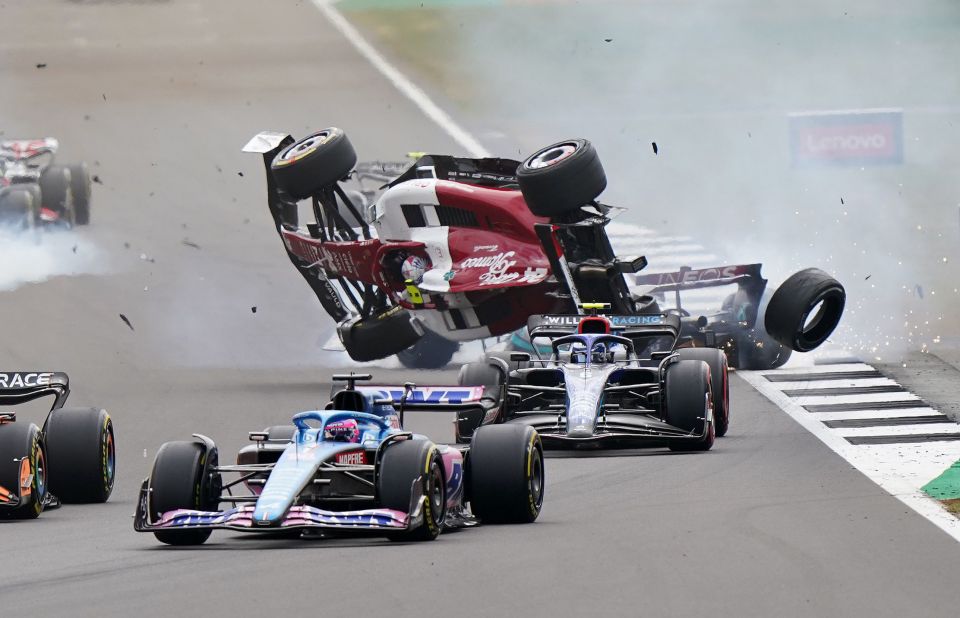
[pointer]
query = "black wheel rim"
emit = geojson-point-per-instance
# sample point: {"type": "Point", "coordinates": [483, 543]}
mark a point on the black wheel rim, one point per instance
{"type": "Point", "coordinates": [536, 478]}
{"type": "Point", "coordinates": [435, 494]}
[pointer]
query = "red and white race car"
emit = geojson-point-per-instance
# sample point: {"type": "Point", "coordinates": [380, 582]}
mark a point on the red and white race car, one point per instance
{"type": "Point", "coordinates": [36, 192]}
{"type": "Point", "coordinates": [458, 249]}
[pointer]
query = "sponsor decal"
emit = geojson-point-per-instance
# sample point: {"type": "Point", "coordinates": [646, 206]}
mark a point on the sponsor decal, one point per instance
{"type": "Point", "coordinates": [449, 275]}
{"type": "Point", "coordinates": [486, 247]}
{"type": "Point", "coordinates": [688, 276]}
{"type": "Point", "coordinates": [635, 320]}
{"type": "Point", "coordinates": [352, 458]}
{"type": "Point", "coordinates": [854, 137]}
{"type": "Point", "coordinates": [498, 269]}
{"type": "Point", "coordinates": [24, 380]}
{"type": "Point", "coordinates": [426, 394]}
{"type": "Point", "coordinates": [495, 263]}
{"type": "Point", "coordinates": [573, 321]}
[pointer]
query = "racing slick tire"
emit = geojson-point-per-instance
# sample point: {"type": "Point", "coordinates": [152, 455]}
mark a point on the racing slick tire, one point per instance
{"type": "Point", "coordinates": [80, 190]}
{"type": "Point", "coordinates": [561, 178]}
{"type": "Point", "coordinates": [429, 352]}
{"type": "Point", "coordinates": [404, 463]}
{"type": "Point", "coordinates": [19, 442]}
{"type": "Point", "coordinates": [719, 383]}
{"type": "Point", "coordinates": [314, 162]}
{"type": "Point", "coordinates": [81, 454]}
{"type": "Point", "coordinates": [687, 394]}
{"type": "Point", "coordinates": [505, 474]}
{"type": "Point", "coordinates": [55, 191]}
{"type": "Point", "coordinates": [19, 208]}
{"type": "Point", "coordinates": [180, 479]}
{"type": "Point", "coordinates": [380, 335]}
{"type": "Point", "coordinates": [806, 293]}
{"type": "Point", "coordinates": [482, 373]}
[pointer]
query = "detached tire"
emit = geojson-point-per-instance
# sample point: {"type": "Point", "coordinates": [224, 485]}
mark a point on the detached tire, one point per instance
{"type": "Point", "coordinates": [561, 178]}
{"type": "Point", "coordinates": [809, 291]}
{"type": "Point", "coordinates": [314, 162]}
{"type": "Point", "coordinates": [21, 442]}
{"type": "Point", "coordinates": [179, 480]}
{"type": "Point", "coordinates": [380, 335]}
{"type": "Point", "coordinates": [82, 454]}
{"type": "Point", "coordinates": [404, 463]}
{"type": "Point", "coordinates": [505, 474]}
{"type": "Point", "coordinates": [80, 189]}
{"type": "Point", "coordinates": [719, 383]}
{"type": "Point", "coordinates": [429, 352]}
{"type": "Point", "coordinates": [688, 393]}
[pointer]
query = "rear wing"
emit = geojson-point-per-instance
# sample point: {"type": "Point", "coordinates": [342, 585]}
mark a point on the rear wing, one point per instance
{"type": "Point", "coordinates": [18, 387]}
{"type": "Point", "coordinates": [696, 279]}
{"type": "Point", "coordinates": [472, 404]}
{"type": "Point", "coordinates": [629, 326]}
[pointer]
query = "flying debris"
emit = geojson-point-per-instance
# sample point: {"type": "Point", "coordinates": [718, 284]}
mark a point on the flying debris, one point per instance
{"type": "Point", "coordinates": [189, 243]}
{"type": "Point", "coordinates": [126, 321]}
{"type": "Point", "coordinates": [654, 144]}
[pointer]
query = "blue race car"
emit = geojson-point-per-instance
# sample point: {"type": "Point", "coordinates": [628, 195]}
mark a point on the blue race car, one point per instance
{"type": "Point", "coordinates": [350, 467]}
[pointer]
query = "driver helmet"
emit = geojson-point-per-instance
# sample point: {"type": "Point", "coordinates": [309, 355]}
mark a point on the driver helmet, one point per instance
{"type": "Point", "coordinates": [342, 431]}
{"type": "Point", "coordinates": [600, 353]}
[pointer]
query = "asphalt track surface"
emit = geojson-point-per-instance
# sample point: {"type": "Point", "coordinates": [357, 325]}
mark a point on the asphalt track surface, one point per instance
{"type": "Point", "coordinates": [768, 523]}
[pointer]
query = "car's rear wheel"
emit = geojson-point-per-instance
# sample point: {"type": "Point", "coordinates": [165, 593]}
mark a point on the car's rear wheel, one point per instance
{"type": "Point", "coordinates": [505, 476]}
{"type": "Point", "coordinates": [82, 454]}
{"type": "Point", "coordinates": [23, 470]}
{"type": "Point", "coordinates": [181, 479]}
{"type": "Point", "coordinates": [687, 401]}
{"type": "Point", "coordinates": [719, 383]}
{"type": "Point", "coordinates": [561, 178]}
{"type": "Point", "coordinates": [55, 192]}
{"type": "Point", "coordinates": [80, 190]}
{"type": "Point", "coordinates": [314, 162]}
{"type": "Point", "coordinates": [805, 309]}
{"type": "Point", "coordinates": [19, 209]}
{"type": "Point", "coordinates": [482, 373]}
{"type": "Point", "coordinates": [407, 462]}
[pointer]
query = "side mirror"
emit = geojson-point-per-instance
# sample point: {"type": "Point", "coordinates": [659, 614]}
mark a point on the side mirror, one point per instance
{"type": "Point", "coordinates": [519, 357]}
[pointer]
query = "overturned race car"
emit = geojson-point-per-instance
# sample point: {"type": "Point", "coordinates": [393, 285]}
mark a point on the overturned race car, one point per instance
{"type": "Point", "coordinates": [458, 249]}
{"type": "Point", "coordinates": [36, 192]}
{"type": "Point", "coordinates": [71, 459]}
{"type": "Point", "coordinates": [348, 468]}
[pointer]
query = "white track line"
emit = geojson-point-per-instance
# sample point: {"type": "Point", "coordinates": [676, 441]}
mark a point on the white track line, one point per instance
{"type": "Point", "coordinates": [868, 414]}
{"type": "Point", "coordinates": [888, 466]}
{"type": "Point", "coordinates": [406, 87]}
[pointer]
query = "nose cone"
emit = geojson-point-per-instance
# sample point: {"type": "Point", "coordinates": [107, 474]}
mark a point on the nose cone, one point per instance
{"type": "Point", "coordinates": [580, 431]}
{"type": "Point", "coordinates": [581, 418]}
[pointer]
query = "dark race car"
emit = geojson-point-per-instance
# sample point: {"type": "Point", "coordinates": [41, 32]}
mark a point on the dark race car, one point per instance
{"type": "Point", "coordinates": [608, 380]}
{"type": "Point", "coordinates": [459, 249]}
{"type": "Point", "coordinates": [70, 459]}
{"type": "Point", "coordinates": [348, 468]}
{"type": "Point", "coordinates": [35, 192]}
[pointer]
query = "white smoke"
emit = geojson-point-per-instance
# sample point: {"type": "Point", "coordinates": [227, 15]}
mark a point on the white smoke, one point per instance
{"type": "Point", "coordinates": [36, 257]}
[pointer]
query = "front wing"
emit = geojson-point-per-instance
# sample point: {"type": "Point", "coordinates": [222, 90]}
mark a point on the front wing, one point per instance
{"type": "Point", "coordinates": [240, 518]}
{"type": "Point", "coordinates": [617, 431]}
